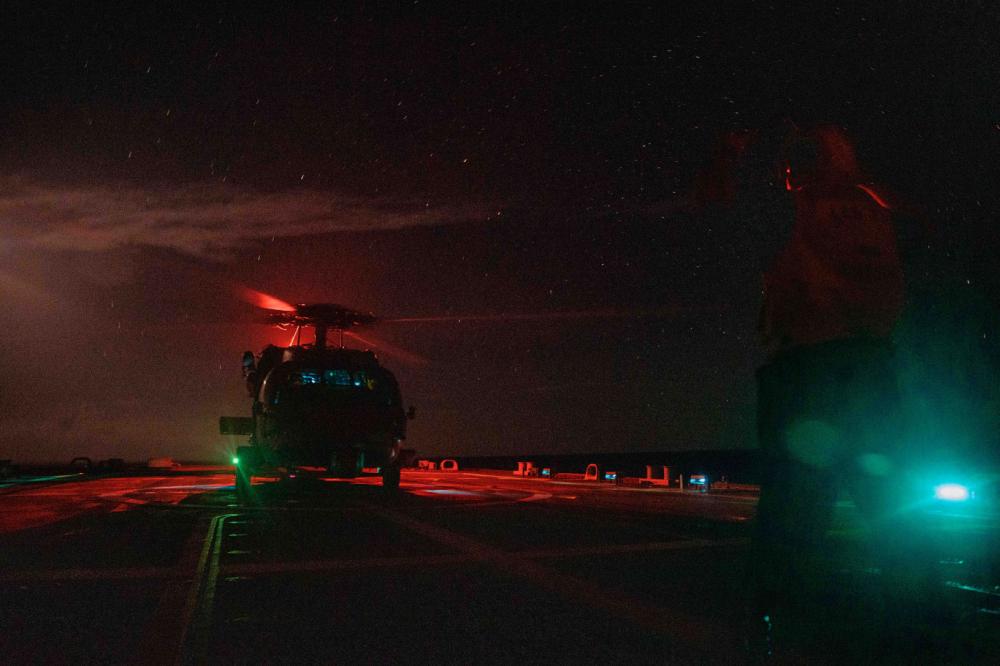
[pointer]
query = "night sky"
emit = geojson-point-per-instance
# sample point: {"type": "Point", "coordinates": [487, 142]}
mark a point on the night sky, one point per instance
{"type": "Point", "coordinates": [424, 160]}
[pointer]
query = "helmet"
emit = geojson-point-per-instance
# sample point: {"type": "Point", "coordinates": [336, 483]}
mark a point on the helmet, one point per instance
{"type": "Point", "coordinates": [821, 155]}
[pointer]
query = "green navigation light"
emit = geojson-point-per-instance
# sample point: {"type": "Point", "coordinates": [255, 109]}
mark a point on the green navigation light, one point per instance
{"type": "Point", "coordinates": [951, 492]}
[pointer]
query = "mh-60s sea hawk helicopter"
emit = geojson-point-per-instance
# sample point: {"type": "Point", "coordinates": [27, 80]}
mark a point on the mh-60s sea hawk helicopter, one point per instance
{"type": "Point", "coordinates": [319, 406]}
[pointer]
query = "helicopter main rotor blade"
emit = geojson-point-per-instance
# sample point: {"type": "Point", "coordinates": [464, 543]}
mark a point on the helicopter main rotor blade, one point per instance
{"type": "Point", "coordinates": [557, 315]}
{"type": "Point", "coordinates": [262, 300]}
{"type": "Point", "coordinates": [390, 350]}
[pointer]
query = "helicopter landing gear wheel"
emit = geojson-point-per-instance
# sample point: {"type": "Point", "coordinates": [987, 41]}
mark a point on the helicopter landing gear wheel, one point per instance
{"type": "Point", "coordinates": [244, 463]}
{"type": "Point", "coordinates": [390, 478]}
{"type": "Point", "coordinates": [243, 483]}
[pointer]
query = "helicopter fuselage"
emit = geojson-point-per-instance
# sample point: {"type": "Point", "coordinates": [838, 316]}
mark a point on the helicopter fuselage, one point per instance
{"type": "Point", "coordinates": [332, 408]}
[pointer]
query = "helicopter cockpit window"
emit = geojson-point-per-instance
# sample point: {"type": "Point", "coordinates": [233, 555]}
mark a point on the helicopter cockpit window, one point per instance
{"type": "Point", "coordinates": [360, 379]}
{"type": "Point", "coordinates": [346, 379]}
{"type": "Point", "coordinates": [306, 377]}
{"type": "Point", "coordinates": [337, 378]}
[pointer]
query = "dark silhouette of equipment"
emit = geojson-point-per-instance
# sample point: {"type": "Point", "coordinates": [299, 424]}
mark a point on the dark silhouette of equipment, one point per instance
{"type": "Point", "coordinates": [318, 406]}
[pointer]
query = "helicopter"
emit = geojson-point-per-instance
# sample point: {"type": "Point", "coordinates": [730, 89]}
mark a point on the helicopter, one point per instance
{"type": "Point", "coordinates": [317, 405]}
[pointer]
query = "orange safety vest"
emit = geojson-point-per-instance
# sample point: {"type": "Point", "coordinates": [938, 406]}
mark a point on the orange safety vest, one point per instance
{"type": "Point", "coordinates": [839, 276]}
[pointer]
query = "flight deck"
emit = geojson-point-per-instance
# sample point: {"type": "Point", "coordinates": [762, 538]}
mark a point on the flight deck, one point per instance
{"type": "Point", "coordinates": [460, 567]}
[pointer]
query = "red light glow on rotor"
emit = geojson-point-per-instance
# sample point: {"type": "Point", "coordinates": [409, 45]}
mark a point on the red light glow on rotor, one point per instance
{"type": "Point", "coordinates": [262, 300]}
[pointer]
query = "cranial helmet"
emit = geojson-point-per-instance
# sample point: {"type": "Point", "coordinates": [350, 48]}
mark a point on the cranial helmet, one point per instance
{"type": "Point", "coordinates": [820, 155]}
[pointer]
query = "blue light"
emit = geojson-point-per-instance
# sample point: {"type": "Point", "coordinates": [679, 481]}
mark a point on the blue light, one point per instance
{"type": "Point", "coordinates": [951, 492]}
{"type": "Point", "coordinates": [338, 377]}
{"type": "Point", "coordinates": [309, 377]}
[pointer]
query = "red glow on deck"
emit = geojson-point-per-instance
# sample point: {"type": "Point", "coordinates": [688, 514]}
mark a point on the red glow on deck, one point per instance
{"type": "Point", "coordinates": [451, 494]}
{"type": "Point", "coordinates": [32, 506]}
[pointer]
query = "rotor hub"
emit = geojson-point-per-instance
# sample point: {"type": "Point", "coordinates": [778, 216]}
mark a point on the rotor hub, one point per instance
{"type": "Point", "coordinates": [322, 315]}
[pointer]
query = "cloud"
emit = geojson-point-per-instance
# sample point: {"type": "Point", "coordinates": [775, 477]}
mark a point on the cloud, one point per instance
{"type": "Point", "coordinates": [195, 219]}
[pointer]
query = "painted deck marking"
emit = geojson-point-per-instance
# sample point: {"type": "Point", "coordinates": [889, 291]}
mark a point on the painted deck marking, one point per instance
{"type": "Point", "coordinates": [684, 630]}
{"type": "Point", "coordinates": [348, 564]}
{"type": "Point", "coordinates": [201, 597]}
